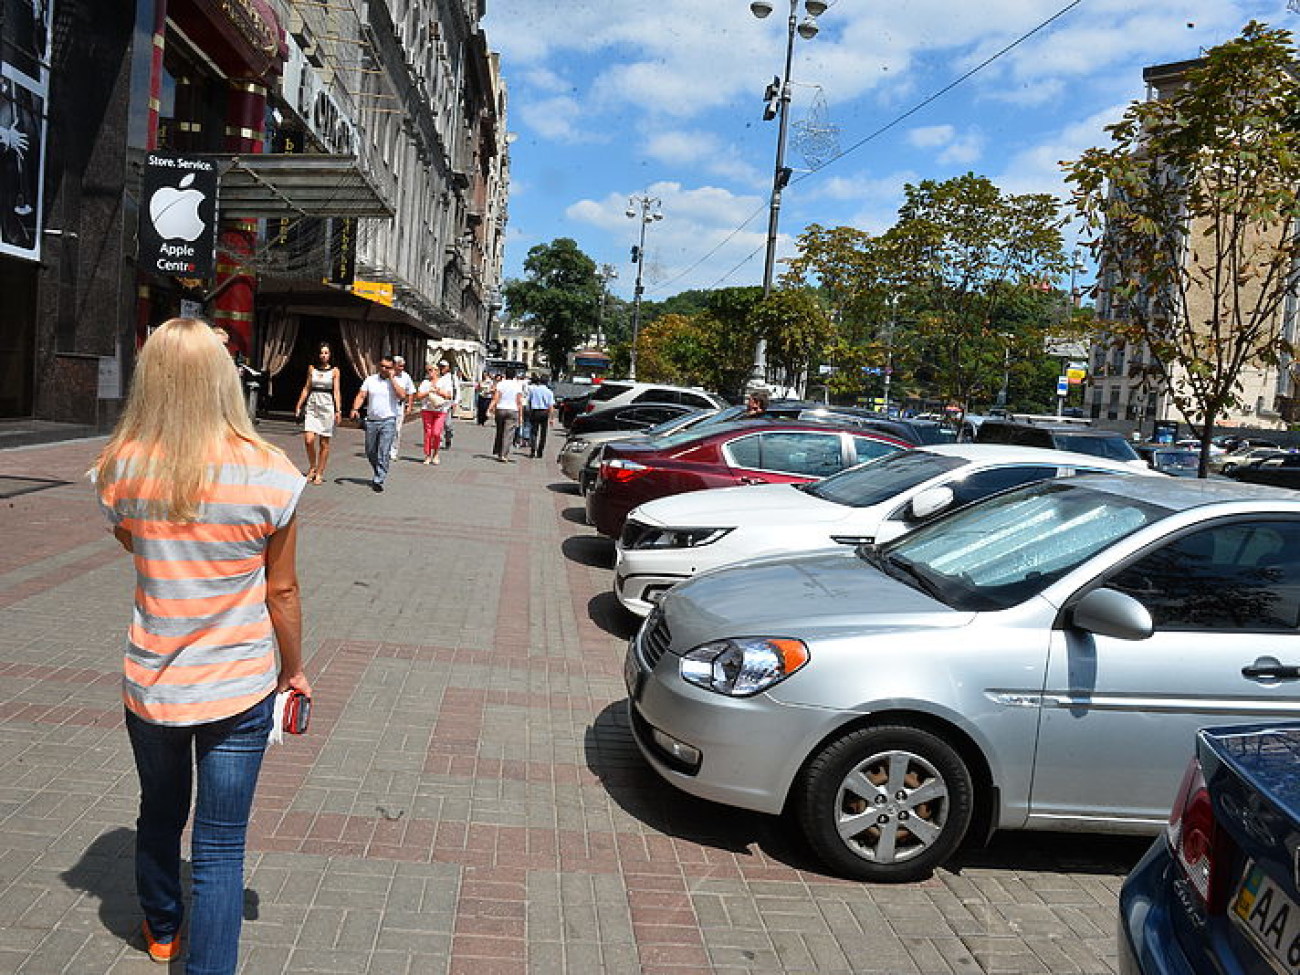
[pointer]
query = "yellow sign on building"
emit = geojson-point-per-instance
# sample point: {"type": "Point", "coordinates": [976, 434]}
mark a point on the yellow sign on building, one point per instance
{"type": "Point", "coordinates": [380, 292]}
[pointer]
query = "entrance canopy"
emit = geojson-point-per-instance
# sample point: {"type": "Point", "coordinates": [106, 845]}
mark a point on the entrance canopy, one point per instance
{"type": "Point", "coordinates": [273, 186]}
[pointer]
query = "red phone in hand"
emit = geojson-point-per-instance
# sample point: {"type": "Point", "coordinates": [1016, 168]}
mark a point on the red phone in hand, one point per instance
{"type": "Point", "coordinates": [297, 713]}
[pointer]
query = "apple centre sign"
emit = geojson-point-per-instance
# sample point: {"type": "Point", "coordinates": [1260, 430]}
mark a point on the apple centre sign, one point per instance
{"type": "Point", "coordinates": [178, 216]}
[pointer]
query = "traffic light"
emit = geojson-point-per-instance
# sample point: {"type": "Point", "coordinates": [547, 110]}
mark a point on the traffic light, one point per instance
{"type": "Point", "coordinates": [636, 254]}
{"type": "Point", "coordinates": [772, 95]}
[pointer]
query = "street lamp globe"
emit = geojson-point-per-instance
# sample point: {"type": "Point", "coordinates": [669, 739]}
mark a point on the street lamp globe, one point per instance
{"type": "Point", "coordinates": [808, 29]}
{"type": "Point", "coordinates": [815, 8]}
{"type": "Point", "coordinates": [630, 213]}
{"type": "Point", "coordinates": [760, 8]}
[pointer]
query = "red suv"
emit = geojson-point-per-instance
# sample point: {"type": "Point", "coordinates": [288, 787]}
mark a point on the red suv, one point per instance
{"type": "Point", "coordinates": [747, 452]}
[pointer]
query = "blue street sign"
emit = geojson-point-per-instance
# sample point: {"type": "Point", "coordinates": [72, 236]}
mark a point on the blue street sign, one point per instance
{"type": "Point", "coordinates": [1062, 386]}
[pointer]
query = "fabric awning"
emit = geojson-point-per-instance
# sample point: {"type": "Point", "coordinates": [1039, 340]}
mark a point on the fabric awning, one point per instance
{"type": "Point", "coordinates": [271, 186]}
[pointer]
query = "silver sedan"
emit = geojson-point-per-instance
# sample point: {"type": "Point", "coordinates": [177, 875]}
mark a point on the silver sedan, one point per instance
{"type": "Point", "coordinates": [1038, 660]}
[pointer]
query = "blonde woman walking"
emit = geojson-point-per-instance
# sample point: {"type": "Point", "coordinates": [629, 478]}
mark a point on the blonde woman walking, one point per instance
{"type": "Point", "coordinates": [206, 508]}
{"type": "Point", "coordinates": [319, 407]}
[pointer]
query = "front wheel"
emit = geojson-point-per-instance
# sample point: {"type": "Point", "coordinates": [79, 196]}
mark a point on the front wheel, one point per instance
{"type": "Point", "coordinates": [887, 803]}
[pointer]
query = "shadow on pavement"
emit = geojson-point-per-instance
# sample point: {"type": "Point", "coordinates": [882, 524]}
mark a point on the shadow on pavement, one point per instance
{"type": "Point", "coordinates": [576, 515]}
{"type": "Point", "coordinates": [564, 487]}
{"type": "Point", "coordinates": [613, 757]}
{"type": "Point", "coordinates": [1092, 853]}
{"type": "Point", "coordinates": [608, 613]}
{"type": "Point", "coordinates": [106, 871]}
{"type": "Point", "coordinates": [593, 550]}
{"type": "Point", "coordinates": [363, 481]}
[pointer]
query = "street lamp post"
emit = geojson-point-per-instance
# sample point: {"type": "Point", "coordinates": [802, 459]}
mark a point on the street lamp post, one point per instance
{"type": "Point", "coordinates": [646, 209]}
{"type": "Point", "coordinates": [778, 106]}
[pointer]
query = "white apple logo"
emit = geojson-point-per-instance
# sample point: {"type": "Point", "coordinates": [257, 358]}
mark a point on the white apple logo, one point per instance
{"type": "Point", "coordinates": [175, 212]}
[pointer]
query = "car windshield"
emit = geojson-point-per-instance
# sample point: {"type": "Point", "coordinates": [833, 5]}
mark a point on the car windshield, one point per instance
{"type": "Point", "coordinates": [1176, 460]}
{"type": "Point", "coordinates": [881, 479]}
{"type": "Point", "coordinates": [1000, 552]}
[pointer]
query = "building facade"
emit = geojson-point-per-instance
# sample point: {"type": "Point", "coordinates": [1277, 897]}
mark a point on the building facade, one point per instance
{"type": "Point", "coordinates": [1121, 390]}
{"type": "Point", "coordinates": [361, 162]}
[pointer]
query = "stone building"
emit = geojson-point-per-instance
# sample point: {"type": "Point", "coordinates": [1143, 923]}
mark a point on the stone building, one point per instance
{"type": "Point", "coordinates": [362, 164]}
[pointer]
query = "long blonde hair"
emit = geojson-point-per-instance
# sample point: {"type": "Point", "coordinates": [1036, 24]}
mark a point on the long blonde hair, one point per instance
{"type": "Point", "coordinates": [184, 411]}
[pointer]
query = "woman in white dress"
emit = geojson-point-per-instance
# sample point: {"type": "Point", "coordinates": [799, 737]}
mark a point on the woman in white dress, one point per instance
{"type": "Point", "coordinates": [318, 405]}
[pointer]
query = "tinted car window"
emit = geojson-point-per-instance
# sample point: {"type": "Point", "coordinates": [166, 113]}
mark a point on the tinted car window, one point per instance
{"type": "Point", "coordinates": [656, 394]}
{"type": "Point", "coordinates": [981, 484]}
{"type": "Point", "coordinates": [1112, 448]}
{"type": "Point", "coordinates": [651, 415]}
{"type": "Point", "coordinates": [1243, 576]}
{"type": "Point", "coordinates": [695, 399]}
{"type": "Point", "coordinates": [607, 391]}
{"type": "Point", "coordinates": [883, 479]}
{"type": "Point", "coordinates": [868, 449]}
{"type": "Point", "coordinates": [791, 452]}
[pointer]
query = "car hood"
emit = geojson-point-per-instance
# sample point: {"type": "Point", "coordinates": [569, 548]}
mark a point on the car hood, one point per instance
{"type": "Point", "coordinates": [735, 507]}
{"type": "Point", "coordinates": [803, 597]}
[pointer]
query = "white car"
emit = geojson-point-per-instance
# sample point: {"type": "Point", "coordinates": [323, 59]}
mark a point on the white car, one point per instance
{"type": "Point", "coordinates": [673, 538]}
{"type": "Point", "coordinates": [617, 392]}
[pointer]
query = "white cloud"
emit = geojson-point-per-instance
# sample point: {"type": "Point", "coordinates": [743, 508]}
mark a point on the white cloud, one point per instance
{"type": "Point", "coordinates": [931, 136]}
{"type": "Point", "coordinates": [555, 118]}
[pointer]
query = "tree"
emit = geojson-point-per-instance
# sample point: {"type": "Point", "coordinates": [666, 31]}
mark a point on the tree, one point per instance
{"type": "Point", "coordinates": [1193, 212]}
{"type": "Point", "coordinates": [560, 297]}
{"type": "Point", "coordinates": [796, 327]}
{"type": "Point", "coordinates": [674, 349]}
{"type": "Point", "coordinates": [960, 248]}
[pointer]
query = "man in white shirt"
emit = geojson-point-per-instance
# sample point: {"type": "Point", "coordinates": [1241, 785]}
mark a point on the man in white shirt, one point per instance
{"type": "Point", "coordinates": [507, 406]}
{"type": "Point", "coordinates": [540, 403]}
{"type": "Point", "coordinates": [407, 383]}
{"type": "Point", "coordinates": [384, 398]}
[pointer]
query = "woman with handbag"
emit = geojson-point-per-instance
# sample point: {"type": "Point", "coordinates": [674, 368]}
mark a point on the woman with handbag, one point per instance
{"type": "Point", "coordinates": [318, 405]}
{"type": "Point", "coordinates": [437, 396]}
{"type": "Point", "coordinates": [206, 508]}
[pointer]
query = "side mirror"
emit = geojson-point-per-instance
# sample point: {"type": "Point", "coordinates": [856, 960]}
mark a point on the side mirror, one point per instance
{"type": "Point", "coordinates": [1108, 612]}
{"type": "Point", "coordinates": [930, 502]}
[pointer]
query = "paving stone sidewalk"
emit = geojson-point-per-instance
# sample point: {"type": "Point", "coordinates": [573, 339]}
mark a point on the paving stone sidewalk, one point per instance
{"type": "Point", "coordinates": [469, 799]}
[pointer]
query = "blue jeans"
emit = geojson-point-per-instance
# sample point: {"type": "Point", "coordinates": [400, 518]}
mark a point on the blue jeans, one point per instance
{"type": "Point", "coordinates": [228, 754]}
{"type": "Point", "coordinates": [379, 444]}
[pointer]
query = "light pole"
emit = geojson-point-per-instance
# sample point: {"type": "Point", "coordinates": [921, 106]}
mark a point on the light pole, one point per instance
{"type": "Point", "coordinates": [646, 209]}
{"type": "Point", "coordinates": [607, 273]}
{"type": "Point", "coordinates": [778, 107]}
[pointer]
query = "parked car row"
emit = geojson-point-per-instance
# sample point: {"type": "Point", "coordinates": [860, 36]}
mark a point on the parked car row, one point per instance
{"type": "Point", "coordinates": [904, 646]}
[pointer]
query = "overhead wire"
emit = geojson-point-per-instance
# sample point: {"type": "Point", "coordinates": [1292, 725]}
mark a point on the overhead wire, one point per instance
{"type": "Point", "coordinates": [897, 120]}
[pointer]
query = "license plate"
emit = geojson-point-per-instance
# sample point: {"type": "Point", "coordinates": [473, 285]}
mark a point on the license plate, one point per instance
{"type": "Point", "coordinates": [632, 674]}
{"type": "Point", "coordinates": [1271, 917]}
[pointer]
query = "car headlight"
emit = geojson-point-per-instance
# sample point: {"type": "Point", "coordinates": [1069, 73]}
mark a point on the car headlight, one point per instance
{"type": "Point", "coordinates": [743, 666]}
{"type": "Point", "coordinates": [678, 537]}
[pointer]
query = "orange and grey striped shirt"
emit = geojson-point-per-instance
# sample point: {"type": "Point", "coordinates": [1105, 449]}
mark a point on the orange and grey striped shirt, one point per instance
{"type": "Point", "coordinates": [201, 646]}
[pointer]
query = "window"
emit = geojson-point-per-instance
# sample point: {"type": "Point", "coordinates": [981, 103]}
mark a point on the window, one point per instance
{"type": "Point", "coordinates": [657, 394]}
{"type": "Point", "coordinates": [790, 452]}
{"type": "Point", "coordinates": [1232, 576]}
{"type": "Point", "coordinates": [696, 400]}
{"type": "Point", "coordinates": [607, 391]}
{"type": "Point", "coordinates": [983, 483]}
{"type": "Point", "coordinates": [868, 449]}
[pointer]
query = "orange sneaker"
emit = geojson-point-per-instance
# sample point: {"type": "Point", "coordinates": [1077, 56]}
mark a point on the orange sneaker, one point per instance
{"type": "Point", "coordinates": [160, 951]}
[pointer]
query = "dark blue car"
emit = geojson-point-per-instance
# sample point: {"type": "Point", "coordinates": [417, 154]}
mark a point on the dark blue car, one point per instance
{"type": "Point", "coordinates": [1219, 893]}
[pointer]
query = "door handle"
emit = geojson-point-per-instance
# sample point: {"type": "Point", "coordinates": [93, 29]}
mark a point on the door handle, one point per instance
{"type": "Point", "coordinates": [1270, 668]}
{"type": "Point", "coordinates": [752, 480]}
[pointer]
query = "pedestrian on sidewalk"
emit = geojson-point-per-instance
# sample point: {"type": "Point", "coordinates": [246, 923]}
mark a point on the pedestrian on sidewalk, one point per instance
{"type": "Point", "coordinates": [384, 398]}
{"type": "Point", "coordinates": [319, 405]}
{"type": "Point", "coordinates": [483, 397]}
{"type": "Point", "coordinates": [191, 491]}
{"type": "Point", "coordinates": [408, 384]}
{"type": "Point", "coordinates": [507, 406]}
{"type": "Point", "coordinates": [436, 395]}
{"type": "Point", "coordinates": [541, 400]}
{"type": "Point", "coordinates": [455, 402]}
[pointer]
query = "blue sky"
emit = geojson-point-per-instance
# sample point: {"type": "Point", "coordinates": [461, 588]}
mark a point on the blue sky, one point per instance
{"type": "Point", "coordinates": [611, 98]}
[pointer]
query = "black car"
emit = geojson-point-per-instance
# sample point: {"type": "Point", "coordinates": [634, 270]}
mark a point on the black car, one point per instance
{"type": "Point", "coordinates": [633, 416]}
{"type": "Point", "coordinates": [1219, 893]}
{"type": "Point", "coordinates": [1060, 436]}
{"type": "Point", "coordinates": [1280, 471]}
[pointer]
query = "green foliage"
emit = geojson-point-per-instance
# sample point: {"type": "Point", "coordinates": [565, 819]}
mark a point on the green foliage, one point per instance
{"type": "Point", "coordinates": [1192, 209]}
{"type": "Point", "coordinates": [560, 297]}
